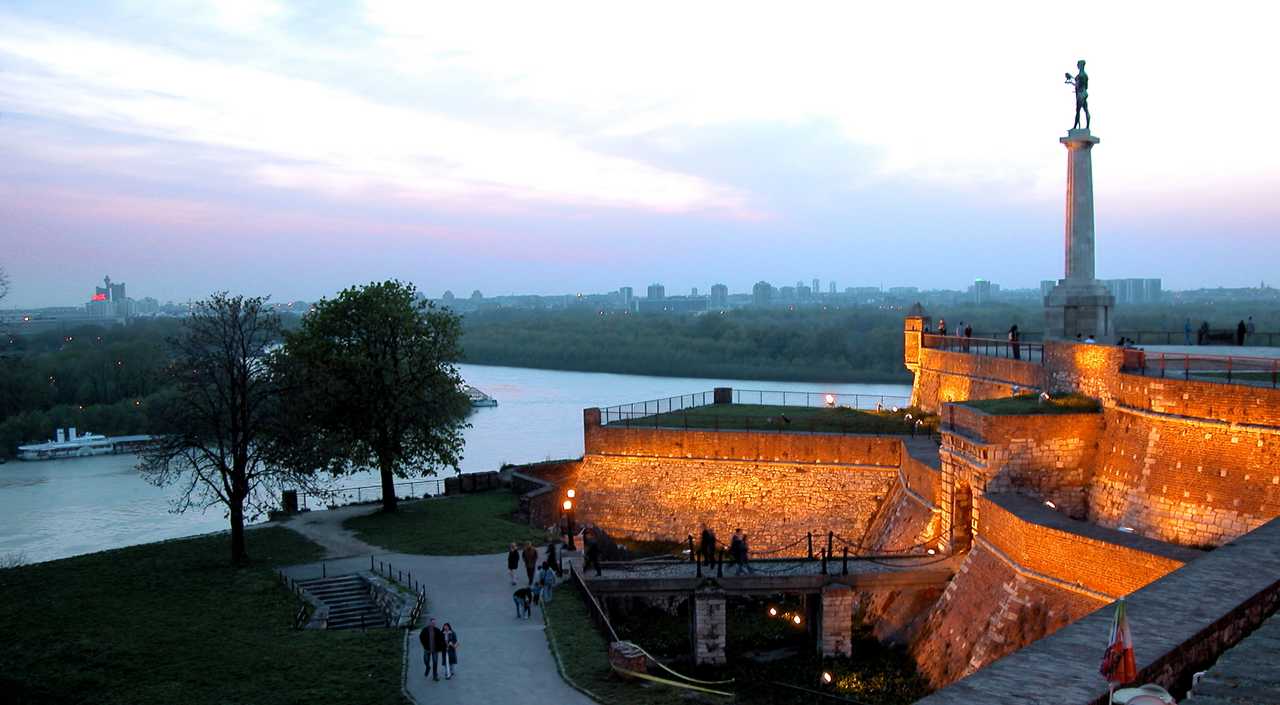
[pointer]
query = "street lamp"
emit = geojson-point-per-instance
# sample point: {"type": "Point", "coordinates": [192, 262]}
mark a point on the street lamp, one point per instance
{"type": "Point", "coordinates": [567, 511]}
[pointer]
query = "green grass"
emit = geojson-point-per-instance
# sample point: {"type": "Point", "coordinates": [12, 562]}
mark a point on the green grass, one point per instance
{"type": "Point", "coordinates": [765, 417]}
{"type": "Point", "coordinates": [1031, 404]}
{"type": "Point", "coordinates": [173, 622]}
{"type": "Point", "coordinates": [450, 526]}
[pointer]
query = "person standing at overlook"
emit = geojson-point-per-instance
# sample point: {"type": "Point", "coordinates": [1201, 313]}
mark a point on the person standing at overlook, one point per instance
{"type": "Point", "coordinates": [513, 562]}
{"type": "Point", "coordinates": [530, 557]}
{"type": "Point", "coordinates": [1014, 337]}
{"type": "Point", "coordinates": [707, 545]}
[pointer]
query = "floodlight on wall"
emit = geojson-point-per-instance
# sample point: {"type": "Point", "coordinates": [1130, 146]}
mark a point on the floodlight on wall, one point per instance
{"type": "Point", "coordinates": [568, 505]}
{"type": "Point", "coordinates": [830, 399]}
{"type": "Point", "coordinates": [932, 552]}
{"type": "Point", "coordinates": [1050, 504]}
{"type": "Point", "coordinates": [826, 678]}
{"type": "Point", "coordinates": [571, 493]}
{"type": "Point", "coordinates": [1126, 529]}
{"type": "Point", "coordinates": [773, 611]}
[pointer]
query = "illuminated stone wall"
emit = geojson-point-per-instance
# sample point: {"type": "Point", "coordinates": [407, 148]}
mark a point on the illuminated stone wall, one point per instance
{"type": "Point", "coordinates": [942, 376]}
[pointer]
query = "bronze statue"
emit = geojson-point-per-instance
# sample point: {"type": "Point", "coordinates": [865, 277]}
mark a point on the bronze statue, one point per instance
{"type": "Point", "coordinates": [1081, 82]}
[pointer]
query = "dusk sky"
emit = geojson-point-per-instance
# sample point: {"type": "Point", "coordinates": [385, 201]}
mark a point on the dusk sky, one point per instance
{"type": "Point", "coordinates": [293, 149]}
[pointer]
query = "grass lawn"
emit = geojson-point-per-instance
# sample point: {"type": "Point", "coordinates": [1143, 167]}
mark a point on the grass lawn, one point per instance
{"type": "Point", "coordinates": [1031, 404]}
{"type": "Point", "coordinates": [173, 622]}
{"type": "Point", "coordinates": [764, 417]}
{"type": "Point", "coordinates": [450, 526]}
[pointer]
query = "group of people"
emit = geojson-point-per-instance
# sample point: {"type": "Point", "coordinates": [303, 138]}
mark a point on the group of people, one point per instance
{"type": "Point", "coordinates": [439, 648]}
{"type": "Point", "coordinates": [542, 576]}
{"type": "Point", "coordinates": [739, 551]}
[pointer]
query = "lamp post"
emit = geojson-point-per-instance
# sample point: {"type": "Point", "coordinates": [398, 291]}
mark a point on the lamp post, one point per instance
{"type": "Point", "coordinates": [567, 510]}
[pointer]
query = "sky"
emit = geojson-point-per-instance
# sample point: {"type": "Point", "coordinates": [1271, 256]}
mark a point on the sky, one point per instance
{"type": "Point", "coordinates": [295, 148]}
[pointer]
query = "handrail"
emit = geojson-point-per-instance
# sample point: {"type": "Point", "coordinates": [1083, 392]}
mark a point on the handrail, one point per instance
{"type": "Point", "coordinates": [374, 492]}
{"type": "Point", "coordinates": [773, 424]}
{"type": "Point", "coordinates": [991, 347]}
{"type": "Point", "coordinates": [1228, 369]}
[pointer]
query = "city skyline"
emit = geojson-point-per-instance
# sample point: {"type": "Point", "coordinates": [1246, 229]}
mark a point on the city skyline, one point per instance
{"type": "Point", "coordinates": [212, 146]}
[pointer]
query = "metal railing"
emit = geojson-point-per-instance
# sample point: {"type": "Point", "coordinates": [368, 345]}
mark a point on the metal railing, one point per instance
{"type": "Point", "coordinates": [905, 425]}
{"type": "Point", "coordinates": [990, 347]}
{"type": "Point", "coordinates": [819, 399]}
{"type": "Point", "coordinates": [370, 493]}
{"type": "Point", "coordinates": [653, 407]}
{"type": "Point", "coordinates": [303, 614]}
{"type": "Point", "coordinates": [1228, 369]}
{"type": "Point", "coordinates": [404, 577]}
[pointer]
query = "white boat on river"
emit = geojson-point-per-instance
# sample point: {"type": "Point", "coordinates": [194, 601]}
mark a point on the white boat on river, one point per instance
{"type": "Point", "coordinates": [70, 445]}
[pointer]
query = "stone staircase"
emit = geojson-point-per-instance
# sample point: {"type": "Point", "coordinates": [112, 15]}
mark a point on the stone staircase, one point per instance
{"type": "Point", "coordinates": [347, 601]}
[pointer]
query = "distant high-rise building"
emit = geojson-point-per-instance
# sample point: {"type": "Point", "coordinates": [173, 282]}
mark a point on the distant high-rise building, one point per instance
{"type": "Point", "coordinates": [817, 289]}
{"type": "Point", "coordinates": [476, 295]}
{"type": "Point", "coordinates": [831, 287]}
{"type": "Point", "coordinates": [981, 291]}
{"type": "Point", "coordinates": [108, 301]}
{"type": "Point", "coordinates": [787, 293]}
{"type": "Point", "coordinates": [761, 293]}
{"type": "Point", "coordinates": [657, 292]}
{"type": "Point", "coordinates": [804, 293]}
{"type": "Point", "coordinates": [719, 295]}
{"type": "Point", "coordinates": [628, 295]}
{"type": "Point", "coordinates": [693, 291]}
{"type": "Point", "coordinates": [1134, 291]}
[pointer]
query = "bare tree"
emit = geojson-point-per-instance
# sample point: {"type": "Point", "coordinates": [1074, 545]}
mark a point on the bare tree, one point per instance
{"type": "Point", "coordinates": [222, 416]}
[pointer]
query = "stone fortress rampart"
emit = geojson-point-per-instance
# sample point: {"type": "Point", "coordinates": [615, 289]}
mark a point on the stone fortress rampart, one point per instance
{"type": "Point", "coordinates": [1051, 516]}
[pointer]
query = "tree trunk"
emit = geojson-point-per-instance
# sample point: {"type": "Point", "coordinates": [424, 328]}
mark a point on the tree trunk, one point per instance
{"type": "Point", "coordinates": [238, 555]}
{"type": "Point", "coordinates": [388, 488]}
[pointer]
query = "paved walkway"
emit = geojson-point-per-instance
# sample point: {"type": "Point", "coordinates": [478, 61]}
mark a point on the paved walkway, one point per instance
{"type": "Point", "coordinates": [501, 659]}
{"type": "Point", "coordinates": [325, 528]}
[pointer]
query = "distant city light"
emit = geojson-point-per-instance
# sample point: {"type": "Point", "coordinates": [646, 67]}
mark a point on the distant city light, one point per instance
{"type": "Point", "coordinates": [826, 677]}
{"type": "Point", "coordinates": [773, 611]}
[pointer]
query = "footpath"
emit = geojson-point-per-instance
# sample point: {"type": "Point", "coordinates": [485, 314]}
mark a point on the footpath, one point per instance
{"type": "Point", "coordinates": [501, 659]}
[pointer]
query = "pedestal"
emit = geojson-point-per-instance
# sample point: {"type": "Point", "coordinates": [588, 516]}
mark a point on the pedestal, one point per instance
{"type": "Point", "coordinates": [1084, 308]}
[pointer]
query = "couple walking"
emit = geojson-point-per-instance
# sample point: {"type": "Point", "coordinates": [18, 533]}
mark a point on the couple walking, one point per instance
{"type": "Point", "coordinates": [439, 648]}
{"type": "Point", "coordinates": [530, 557]}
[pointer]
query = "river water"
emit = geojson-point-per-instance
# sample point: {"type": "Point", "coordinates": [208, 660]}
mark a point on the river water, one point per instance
{"type": "Point", "coordinates": [59, 508]}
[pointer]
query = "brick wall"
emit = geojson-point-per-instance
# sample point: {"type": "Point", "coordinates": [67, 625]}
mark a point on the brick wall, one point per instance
{"type": "Point", "coordinates": [817, 448]}
{"type": "Point", "coordinates": [539, 486]}
{"type": "Point", "coordinates": [775, 503]}
{"type": "Point", "coordinates": [943, 376]}
{"type": "Point", "coordinates": [1183, 480]}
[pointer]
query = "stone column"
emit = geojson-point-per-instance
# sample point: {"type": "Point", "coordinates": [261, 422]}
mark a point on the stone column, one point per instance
{"type": "Point", "coordinates": [1079, 304]}
{"type": "Point", "coordinates": [708, 626]}
{"type": "Point", "coordinates": [836, 638]}
{"type": "Point", "coordinates": [1079, 220]}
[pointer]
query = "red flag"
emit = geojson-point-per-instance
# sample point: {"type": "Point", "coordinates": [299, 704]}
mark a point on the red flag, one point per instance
{"type": "Point", "coordinates": [1118, 665]}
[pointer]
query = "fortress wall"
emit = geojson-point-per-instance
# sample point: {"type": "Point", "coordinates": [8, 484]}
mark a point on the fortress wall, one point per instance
{"type": "Point", "coordinates": [987, 611]}
{"type": "Point", "coordinates": [942, 376]}
{"type": "Point", "coordinates": [818, 448]}
{"type": "Point", "coordinates": [775, 503]}
{"type": "Point", "coordinates": [1185, 480]}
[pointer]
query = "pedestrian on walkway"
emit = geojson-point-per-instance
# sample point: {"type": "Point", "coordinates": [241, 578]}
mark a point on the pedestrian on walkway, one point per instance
{"type": "Point", "coordinates": [530, 557]}
{"type": "Point", "coordinates": [707, 545]}
{"type": "Point", "coordinates": [1241, 329]}
{"type": "Point", "coordinates": [450, 656]}
{"type": "Point", "coordinates": [513, 562]}
{"type": "Point", "coordinates": [591, 546]}
{"type": "Point", "coordinates": [735, 550]}
{"type": "Point", "coordinates": [1014, 337]}
{"type": "Point", "coordinates": [524, 600]}
{"type": "Point", "coordinates": [1249, 330]}
{"type": "Point", "coordinates": [942, 326]}
{"type": "Point", "coordinates": [432, 641]}
{"type": "Point", "coordinates": [553, 556]}
{"type": "Point", "coordinates": [548, 581]}
{"type": "Point", "coordinates": [968, 333]}
{"type": "Point", "coordinates": [1202, 333]}
{"type": "Point", "coordinates": [1186, 332]}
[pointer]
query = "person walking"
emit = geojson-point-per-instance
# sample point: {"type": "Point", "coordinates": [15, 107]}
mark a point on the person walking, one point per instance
{"type": "Point", "coordinates": [450, 656]}
{"type": "Point", "coordinates": [942, 326]}
{"type": "Point", "coordinates": [735, 550]}
{"type": "Point", "coordinates": [707, 546]}
{"type": "Point", "coordinates": [1014, 337]}
{"type": "Point", "coordinates": [553, 556]}
{"type": "Point", "coordinates": [968, 334]}
{"type": "Point", "coordinates": [1186, 332]}
{"type": "Point", "coordinates": [1202, 333]}
{"type": "Point", "coordinates": [513, 562]}
{"type": "Point", "coordinates": [548, 581]}
{"type": "Point", "coordinates": [591, 548]}
{"type": "Point", "coordinates": [530, 557]}
{"type": "Point", "coordinates": [524, 600]}
{"type": "Point", "coordinates": [432, 641]}
{"type": "Point", "coordinates": [1241, 329]}
{"type": "Point", "coordinates": [1249, 330]}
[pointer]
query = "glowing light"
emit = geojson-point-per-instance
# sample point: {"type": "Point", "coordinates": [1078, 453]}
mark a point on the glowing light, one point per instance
{"type": "Point", "coordinates": [773, 611]}
{"type": "Point", "coordinates": [571, 493]}
{"type": "Point", "coordinates": [568, 505]}
{"type": "Point", "coordinates": [931, 551]}
{"type": "Point", "coordinates": [830, 399]}
{"type": "Point", "coordinates": [1127, 529]}
{"type": "Point", "coordinates": [1050, 504]}
{"type": "Point", "coordinates": [99, 297]}
{"type": "Point", "coordinates": [796, 619]}
{"type": "Point", "coordinates": [895, 409]}
{"type": "Point", "coordinates": [826, 677]}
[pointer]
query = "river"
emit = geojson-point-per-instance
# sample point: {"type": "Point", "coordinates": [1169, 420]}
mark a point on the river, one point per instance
{"type": "Point", "coordinates": [59, 508]}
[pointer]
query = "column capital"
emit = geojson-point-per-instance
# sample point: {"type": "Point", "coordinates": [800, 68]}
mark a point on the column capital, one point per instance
{"type": "Point", "coordinates": [1078, 139]}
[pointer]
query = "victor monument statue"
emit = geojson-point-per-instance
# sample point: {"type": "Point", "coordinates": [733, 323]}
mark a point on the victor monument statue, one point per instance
{"type": "Point", "coordinates": [1081, 83]}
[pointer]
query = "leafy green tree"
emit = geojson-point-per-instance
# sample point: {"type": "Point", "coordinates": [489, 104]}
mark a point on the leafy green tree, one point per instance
{"type": "Point", "coordinates": [220, 420]}
{"type": "Point", "coordinates": [371, 384]}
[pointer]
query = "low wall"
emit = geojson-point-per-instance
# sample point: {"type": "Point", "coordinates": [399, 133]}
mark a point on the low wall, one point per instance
{"type": "Point", "coordinates": [1180, 623]}
{"type": "Point", "coordinates": [539, 485]}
